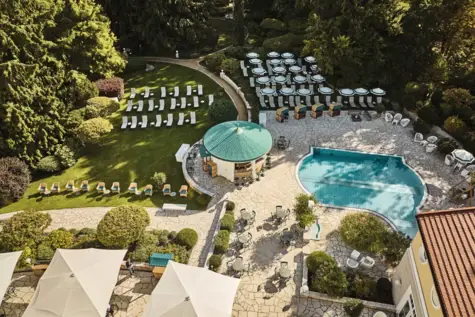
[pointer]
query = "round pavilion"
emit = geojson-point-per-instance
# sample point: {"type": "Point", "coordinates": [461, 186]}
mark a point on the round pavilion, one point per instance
{"type": "Point", "coordinates": [236, 149]}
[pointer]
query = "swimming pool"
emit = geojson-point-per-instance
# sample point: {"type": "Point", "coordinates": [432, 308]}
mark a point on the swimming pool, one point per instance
{"type": "Point", "coordinates": [381, 183]}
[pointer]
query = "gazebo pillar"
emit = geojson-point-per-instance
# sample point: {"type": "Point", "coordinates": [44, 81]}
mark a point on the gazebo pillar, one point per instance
{"type": "Point", "coordinates": [253, 168]}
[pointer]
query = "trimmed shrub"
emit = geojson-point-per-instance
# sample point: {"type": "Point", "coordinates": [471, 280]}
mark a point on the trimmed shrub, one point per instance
{"type": "Point", "coordinates": [159, 179]}
{"type": "Point", "coordinates": [213, 62]}
{"type": "Point", "coordinates": [363, 231]}
{"type": "Point", "coordinates": [230, 66]}
{"type": "Point", "coordinates": [215, 262]}
{"type": "Point", "coordinates": [14, 179]}
{"type": "Point", "coordinates": [122, 226]}
{"type": "Point", "coordinates": [100, 107]}
{"type": "Point", "coordinates": [44, 252]}
{"type": "Point", "coordinates": [75, 118]}
{"type": "Point", "coordinates": [65, 156]}
{"type": "Point", "coordinates": [326, 276]}
{"type": "Point", "coordinates": [142, 253]}
{"type": "Point", "coordinates": [446, 146]}
{"type": "Point", "coordinates": [60, 239]}
{"type": "Point", "coordinates": [360, 285]}
{"type": "Point", "coordinates": [303, 213]}
{"type": "Point", "coordinates": [421, 127]}
{"type": "Point", "coordinates": [353, 307]}
{"type": "Point", "coordinates": [221, 244]}
{"type": "Point", "coordinates": [227, 222]}
{"type": "Point", "coordinates": [297, 25]}
{"type": "Point", "coordinates": [429, 114]}
{"type": "Point", "coordinates": [384, 291]}
{"type": "Point", "coordinates": [91, 130]}
{"type": "Point", "coordinates": [24, 229]}
{"type": "Point", "coordinates": [180, 253]}
{"type": "Point", "coordinates": [86, 231]}
{"type": "Point", "coordinates": [111, 87]}
{"type": "Point", "coordinates": [230, 206]}
{"type": "Point", "coordinates": [273, 24]}
{"type": "Point", "coordinates": [456, 127]}
{"type": "Point", "coordinates": [163, 240]}
{"type": "Point", "coordinates": [187, 237]}
{"type": "Point", "coordinates": [283, 43]}
{"type": "Point", "coordinates": [203, 199]}
{"type": "Point", "coordinates": [222, 110]}
{"type": "Point", "coordinates": [49, 164]}
{"type": "Point", "coordinates": [172, 235]}
{"type": "Point", "coordinates": [87, 241]}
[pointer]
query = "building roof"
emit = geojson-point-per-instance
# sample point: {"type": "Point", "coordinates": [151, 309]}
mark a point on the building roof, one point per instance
{"type": "Point", "coordinates": [449, 240]}
{"type": "Point", "coordinates": [237, 141]}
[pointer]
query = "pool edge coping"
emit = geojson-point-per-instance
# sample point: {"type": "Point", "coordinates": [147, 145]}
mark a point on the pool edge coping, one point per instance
{"type": "Point", "coordinates": [403, 159]}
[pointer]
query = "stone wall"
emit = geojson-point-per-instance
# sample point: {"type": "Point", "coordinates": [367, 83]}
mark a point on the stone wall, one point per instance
{"type": "Point", "coordinates": [239, 92]}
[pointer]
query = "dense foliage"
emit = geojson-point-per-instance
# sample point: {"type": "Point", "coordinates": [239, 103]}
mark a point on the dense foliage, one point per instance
{"type": "Point", "coordinates": [215, 262]}
{"type": "Point", "coordinates": [14, 179]}
{"type": "Point", "coordinates": [122, 226]}
{"type": "Point", "coordinates": [111, 87]}
{"type": "Point", "coordinates": [187, 237]}
{"type": "Point", "coordinates": [91, 130]}
{"type": "Point", "coordinates": [100, 107]}
{"type": "Point", "coordinates": [157, 242]}
{"type": "Point", "coordinates": [326, 276]}
{"type": "Point", "coordinates": [159, 179]}
{"type": "Point", "coordinates": [221, 243]}
{"type": "Point", "coordinates": [49, 164]}
{"type": "Point", "coordinates": [227, 222]}
{"type": "Point", "coordinates": [222, 110]}
{"type": "Point", "coordinates": [303, 212]}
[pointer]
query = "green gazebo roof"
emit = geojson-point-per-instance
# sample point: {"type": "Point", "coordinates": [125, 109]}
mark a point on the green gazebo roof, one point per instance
{"type": "Point", "coordinates": [237, 141]}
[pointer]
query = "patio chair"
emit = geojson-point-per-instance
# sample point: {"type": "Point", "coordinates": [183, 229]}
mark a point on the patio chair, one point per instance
{"type": "Point", "coordinates": [162, 105]}
{"type": "Point", "coordinates": [367, 262]}
{"type": "Point", "coordinates": [352, 102]}
{"type": "Point", "coordinates": [167, 190]}
{"type": "Point", "coordinates": [101, 186]}
{"type": "Point", "coordinates": [418, 137]}
{"type": "Point", "coordinates": [115, 188]}
{"type": "Point", "coordinates": [388, 117]}
{"type": "Point", "coordinates": [55, 188]}
{"type": "Point", "coordinates": [148, 190]}
{"type": "Point", "coordinates": [458, 167]}
{"type": "Point", "coordinates": [140, 108]}
{"type": "Point", "coordinates": [183, 102]}
{"type": "Point", "coordinates": [430, 148]}
{"type": "Point", "coordinates": [124, 122]}
{"type": "Point", "coordinates": [183, 191]}
{"type": "Point", "coordinates": [432, 139]}
{"type": "Point", "coordinates": [158, 120]}
{"type": "Point", "coordinates": [352, 261]}
{"type": "Point", "coordinates": [449, 160]}
{"type": "Point", "coordinates": [193, 117]}
{"type": "Point", "coordinates": [397, 118]}
{"type": "Point", "coordinates": [251, 82]}
{"type": "Point", "coordinates": [405, 122]}
{"type": "Point", "coordinates": [132, 188]}
{"type": "Point", "coordinates": [84, 186]}
{"type": "Point", "coordinates": [151, 105]}
{"type": "Point", "coordinates": [70, 186]}
{"type": "Point", "coordinates": [130, 105]}
{"type": "Point", "coordinates": [163, 91]}
{"type": "Point", "coordinates": [42, 188]}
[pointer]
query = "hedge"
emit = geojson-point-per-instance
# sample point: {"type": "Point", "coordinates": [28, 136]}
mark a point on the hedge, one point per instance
{"type": "Point", "coordinates": [49, 164]}
{"type": "Point", "coordinates": [273, 24]}
{"type": "Point", "coordinates": [91, 130]}
{"type": "Point", "coordinates": [287, 42]}
{"type": "Point", "coordinates": [60, 239]}
{"type": "Point", "coordinates": [215, 262]}
{"type": "Point", "coordinates": [111, 87]}
{"type": "Point", "coordinates": [100, 107]}
{"type": "Point", "coordinates": [44, 252]}
{"type": "Point", "coordinates": [326, 276]}
{"type": "Point", "coordinates": [456, 127]}
{"type": "Point", "coordinates": [187, 237]}
{"type": "Point", "coordinates": [227, 222]}
{"type": "Point", "coordinates": [222, 110]}
{"type": "Point", "coordinates": [221, 244]}
{"type": "Point", "coordinates": [14, 179]}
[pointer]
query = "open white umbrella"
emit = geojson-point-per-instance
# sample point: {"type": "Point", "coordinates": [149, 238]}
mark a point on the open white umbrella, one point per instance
{"type": "Point", "coordinates": [263, 80]}
{"type": "Point", "coordinates": [267, 91]}
{"type": "Point", "coordinates": [287, 55]}
{"type": "Point", "coordinates": [289, 61]}
{"type": "Point", "coordinates": [310, 59]}
{"type": "Point", "coordinates": [318, 78]}
{"type": "Point", "coordinates": [275, 61]}
{"type": "Point", "coordinates": [273, 54]}
{"type": "Point", "coordinates": [304, 92]}
{"type": "Point", "coordinates": [295, 69]}
{"type": "Point", "coordinates": [7, 263]}
{"type": "Point", "coordinates": [258, 71]}
{"type": "Point", "coordinates": [300, 79]}
{"type": "Point", "coordinates": [361, 91]}
{"type": "Point", "coordinates": [347, 92]}
{"type": "Point", "coordinates": [314, 67]}
{"type": "Point", "coordinates": [463, 156]}
{"type": "Point", "coordinates": [286, 91]}
{"type": "Point", "coordinates": [255, 61]}
{"type": "Point", "coordinates": [190, 291]}
{"type": "Point", "coordinates": [279, 70]}
{"type": "Point", "coordinates": [325, 90]}
{"type": "Point", "coordinates": [280, 79]}
{"type": "Point", "coordinates": [252, 55]}
{"type": "Point", "coordinates": [378, 92]}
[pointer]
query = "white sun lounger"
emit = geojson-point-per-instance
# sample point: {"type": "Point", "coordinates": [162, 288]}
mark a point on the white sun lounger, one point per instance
{"type": "Point", "coordinates": [339, 100]}
{"type": "Point", "coordinates": [280, 101]}
{"type": "Point", "coordinates": [173, 106]}
{"type": "Point", "coordinates": [258, 92]}
{"type": "Point", "coordinates": [310, 87]}
{"type": "Point", "coordinates": [144, 122]}
{"type": "Point", "coordinates": [298, 101]}
{"type": "Point", "coordinates": [361, 102]}
{"type": "Point", "coordinates": [316, 99]}
{"type": "Point", "coordinates": [170, 120]}
{"type": "Point", "coordinates": [193, 117]}
{"type": "Point", "coordinates": [200, 90]}
{"type": "Point", "coordinates": [293, 87]}
{"type": "Point", "coordinates": [158, 120]}
{"type": "Point", "coordinates": [251, 82]}
{"type": "Point", "coordinates": [271, 101]}
{"type": "Point", "coordinates": [151, 105]}
{"type": "Point", "coordinates": [196, 102]}
{"type": "Point", "coordinates": [130, 105]}
{"type": "Point", "coordinates": [299, 61]}
{"type": "Point", "coordinates": [124, 122]}
{"type": "Point", "coordinates": [369, 101]}
{"type": "Point", "coordinates": [188, 90]}
{"type": "Point", "coordinates": [176, 91]}
{"type": "Point", "coordinates": [262, 101]}
{"type": "Point", "coordinates": [134, 122]}
{"type": "Point", "coordinates": [291, 101]}
{"type": "Point", "coordinates": [211, 99]}
{"type": "Point", "coordinates": [309, 80]}
{"type": "Point", "coordinates": [147, 92]}
{"type": "Point", "coordinates": [140, 108]}
{"type": "Point", "coordinates": [181, 118]}
{"type": "Point", "coordinates": [244, 72]}
{"type": "Point", "coordinates": [308, 102]}
{"type": "Point", "coordinates": [304, 68]}
{"type": "Point", "coordinates": [289, 81]}
{"type": "Point", "coordinates": [397, 118]}
{"type": "Point", "coordinates": [183, 102]}
{"type": "Point", "coordinates": [162, 105]}
{"type": "Point", "coordinates": [241, 63]}
{"type": "Point", "coordinates": [132, 93]}
{"type": "Point", "coordinates": [405, 122]}
{"type": "Point", "coordinates": [352, 102]}
{"type": "Point", "coordinates": [163, 92]}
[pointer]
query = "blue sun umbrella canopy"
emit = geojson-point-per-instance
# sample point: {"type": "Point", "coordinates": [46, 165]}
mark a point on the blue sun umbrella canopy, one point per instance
{"type": "Point", "coordinates": [275, 61]}
{"type": "Point", "coordinates": [300, 79]}
{"type": "Point", "coordinates": [304, 92]}
{"type": "Point", "coordinates": [378, 92]}
{"type": "Point", "coordinates": [252, 55]}
{"type": "Point", "coordinates": [273, 54]}
{"type": "Point", "coordinates": [310, 59]}
{"type": "Point", "coordinates": [287, 55]}
{"type": "Point", "coordinates": [237, 141]}
{"type": "Point", "coordinates": [318, 78]}
{"type": "Point", "coordinates": [295, 69]}
{"type": "Point", "coordinates": [289, 61]}
{"type": "Point", "coordinates": [286, 91]}
{"type": "Point", "coordinates": [255, 61]}
{"type": "Point", "coordinates": [263, 80]}
{"type": "Point", "coordinates": [258, 71]}
{"type": "Point", "coordinates": [279, 70]}
{"type": "Point", "coordinates": [361, 91]}
{"type": "Point", "coordinates": [346, 92]}
{"type": "Point", "coordinates": [325, 90]}
{"type": "Point", "coordinates": [267, 91]}
{"type": "Point", "coordinates": [280, 79]}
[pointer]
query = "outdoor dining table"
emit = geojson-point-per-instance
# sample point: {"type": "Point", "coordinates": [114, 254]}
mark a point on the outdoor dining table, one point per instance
{"type": "Point", "coordinates": [238, 265]}
{"type": "Point", "coordinates": [284, 272]}
{"type": "Point", "coordinates": [244, 238]}
{"type": "Point", "coordinates": [246, 215]}
{"type": "Point", "coordinates": [280, 213]}
{"type": "Point", "coordinates": [288, 236]}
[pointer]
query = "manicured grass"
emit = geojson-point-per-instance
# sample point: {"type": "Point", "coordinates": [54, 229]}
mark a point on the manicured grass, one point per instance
{"type": "Point", "coordinates": [127, 156]}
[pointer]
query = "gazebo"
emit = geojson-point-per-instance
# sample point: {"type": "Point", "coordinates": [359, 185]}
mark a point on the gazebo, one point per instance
{"type": "Point", "coordinates": [237, 149]}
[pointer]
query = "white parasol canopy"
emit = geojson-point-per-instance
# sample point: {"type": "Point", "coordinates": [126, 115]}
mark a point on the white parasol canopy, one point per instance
{"type": "Point", "coordinates": [289, 61]}
{"type": "Point", "coordinates": [287, 55]}
{"type": "Point", "coordinates": [378, 92]}
{"type": "Point", "coordinates": [280, 79]}
{"type": "Point", "coordinates": [267, 91]}
{"type": "Point", "coordinates": [190, 291]}
{"type": "Point", "coordinates": [347, 92]}
{"type": "Point", "coordinates": [463, 156]}
{"type": "Point", "coordinates": [77, 283]}
{"type": "Point", "coordinates": [252, 55]}
{"type": "Point", "coordinates": [318, 78]}
{"type": "Point", "coordinates": [255, 61]}
{"type": "Point", "coordinates": [263, 80]}
{"type": "Point", "coordinates": [258, 71]}
{"type": "Point", "coordinates": [361, 91]}
{"type": "Point", "coordinates": [286, 91]}
{"type": "Point", "coordinates": [304, 92]}
{"type": "Point", "coordinates": [310, 59]}
{"type": "Point", "coordinates": [314, 67]}
{"type": "Point", "coordinates": [300, 79]}
{"type": "Point", "coordinates": [279, 70]}
{"type": "Point", "coordinates": [325, 90]}
{"type": "Point", "coordinates": [273, 54]}
{"type": "Point", "coordinates": [7, 263]}
{"type": "Point", "coordinates": [295, 69]}
{"type": "Point", "coordinates": [275, 61]}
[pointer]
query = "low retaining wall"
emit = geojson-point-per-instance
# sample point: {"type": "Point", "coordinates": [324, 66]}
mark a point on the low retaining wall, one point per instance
{"type": "Point", "coordinates": [239, 92]}
{"type": "Point", "coordinates": [190, 179]}
{"type": "Point", "coordinates": [341, 300]}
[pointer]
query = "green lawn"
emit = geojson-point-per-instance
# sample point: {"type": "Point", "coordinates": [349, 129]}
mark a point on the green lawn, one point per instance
{"type": "Point", "coordinates": [127, 156]}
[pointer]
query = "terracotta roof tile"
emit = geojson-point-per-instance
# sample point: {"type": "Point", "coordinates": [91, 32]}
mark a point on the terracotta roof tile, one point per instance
{"type": "Point", "coordinates": [449, 239]}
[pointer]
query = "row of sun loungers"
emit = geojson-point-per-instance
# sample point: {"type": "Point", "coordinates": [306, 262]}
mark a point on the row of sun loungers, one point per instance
{"type": "Point", "coordinates": [161, 106]}
{"type": "Point", "coordinates": [309, 101]}
{"type": "Point", "coordinates": [163, 92]}
{"type": "Point", "coordinates": [158, 121]}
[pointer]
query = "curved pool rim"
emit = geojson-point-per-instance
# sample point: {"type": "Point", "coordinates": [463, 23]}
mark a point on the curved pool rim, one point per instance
{"type": "Point", "coordinates": [418, 208]}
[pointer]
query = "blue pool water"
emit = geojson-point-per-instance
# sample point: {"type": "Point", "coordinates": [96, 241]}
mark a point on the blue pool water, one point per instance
{"type": "Point", "coordinates": [381, 183]}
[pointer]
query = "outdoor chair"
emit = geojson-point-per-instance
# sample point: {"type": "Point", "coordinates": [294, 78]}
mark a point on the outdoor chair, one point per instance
{"type": "Point", "coordinates": [148, 190]}
{"type": "Point", "coordinates": [430, 148]}
{"type": "Point", "coordinates": [388, 117]}
{"type": "Point", "coordinates": [432, 139]}
{"type": "Point", "coordinates": [101, 186]}
{"type": "Point", "coordinates": [132, 93]}
{"type": "Point", "coordinates": [70, 186]}
{"type": "Point", "coordinates": [167, 191]}
{"type": "Point", "coordinates": [449, 160]}
{"type": "Point", "coordinates": [184, 191]}
{"type": "Point", "coordinates": [397, 118]}
{"type": "Point", "coordinates": [132, 188]}
{"type": "Point", "coordinates": [115, 188]}
{"type": "Point", "coordinates": [418, 137]}
{"type": "Point", "coordinates": [42, 188]}
{"type": "Point", "coordinates": [367, 262]}
{"type": "Point", "coordinates": [84, 186]}
{"type": "Point", "coordinates": [55, 188]}
{"type": "Point", "coordinates": [352, 261]}
{"type": "Point", "coordinates": [405, 122]}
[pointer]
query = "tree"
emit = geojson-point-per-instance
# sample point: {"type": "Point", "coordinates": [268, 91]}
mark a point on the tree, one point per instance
{"type": "Point", "coordinates": [122, 226]}
{"type": "Point", "coordinates": [222, 110]}
{"type": "Point", "coordinates": [14, 179]}
{"type": "Point", "coordinates": [238, 15]}
{"type": "Point", "coordinates": [327, 277]}
{"type": "Point", "coordinates": [91, 130]}
{"type": "Point", "coordinates": [455, 126]}
{"type": "Point", "coordinates": [460, 101]}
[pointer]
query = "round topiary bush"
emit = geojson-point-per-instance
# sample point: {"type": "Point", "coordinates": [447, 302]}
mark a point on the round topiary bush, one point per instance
{"type": "Point", "coordinates": [363, 231]}
{"type": "Point", "coordinates": [227, 223]}
{"type": "Point", "coordinates": [221, 244]}
{"type": "Point", "coordinates": [215, 262]}
{"type": "Point", "coordinates": [163, 240]}
{"type": "Point", "coordinates": [44, 252]}
{"type": "Point", "coordinates": [455, 126]}
{"type": "Point", "coordinates": [122, 226]}
{"type": "Point", "coordinates": [91, 130]}
{"type": "Point", "coordinates": [187, 237]}
{"type": "Point", "coordinates": [230, 206]}
{"type": "Point", "coordinates": [100, 107]}
{"type": "Point", "coordinates": [159, 179]}
{"type": "Point", "coordinates": [49, 164]}
{"type": "Point", "coordinates": [172, 235]}
{"type": "Point", "coordinates": [86, 231]}
{"type": "Point", "coordinates": [326, 276]}
{"type": "Point", "coordinates": [60, 239]}
{"type": "Point", "coordinates": [222, 110]}
{"type": "Point", "coordinates": [14, 179]}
